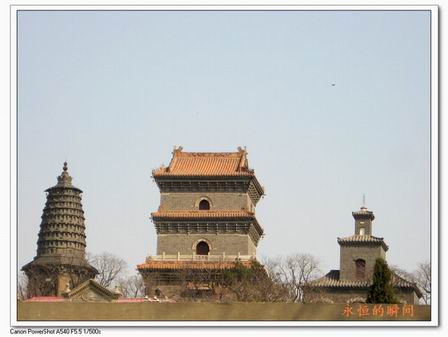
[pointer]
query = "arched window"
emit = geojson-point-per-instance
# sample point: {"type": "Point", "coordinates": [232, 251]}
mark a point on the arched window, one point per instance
{"type": "Point", "coordinates": [204, 205]}
{"type": "Point", "coordinates": [202, 248]}
{"type": "Point", "coordinates": [360, 268]}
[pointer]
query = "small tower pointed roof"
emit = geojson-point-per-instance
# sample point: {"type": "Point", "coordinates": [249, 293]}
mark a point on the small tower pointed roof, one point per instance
{"type": "Point", "coordinates": [363, 213]}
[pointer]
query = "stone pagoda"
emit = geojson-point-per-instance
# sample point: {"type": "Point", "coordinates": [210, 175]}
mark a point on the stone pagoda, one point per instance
{"type": "Point", "coordinates": [60, 262]}
{"type": "Point", "coordinates": [358, 254]}
{"type": "Point", "coordinates": [206, 218]}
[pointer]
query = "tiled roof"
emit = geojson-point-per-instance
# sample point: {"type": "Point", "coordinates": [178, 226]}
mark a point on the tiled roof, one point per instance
{"type": "Point", "coordinates": [91, 285]}
{"type": "Point", "coordinates": [205, 214]}
{"type": "Point", "coordinates": [355, 239]}
{"type": "Point", "coordinates": [206, 164]}
{"type": "Point", "coordinates": [190, 265]}
{"type": "Point", "coordinates": [363, 213]}
{"type": "Point", "coordinates": [331, 280]}
{"type": "Point", "coordinates": [399, 281]}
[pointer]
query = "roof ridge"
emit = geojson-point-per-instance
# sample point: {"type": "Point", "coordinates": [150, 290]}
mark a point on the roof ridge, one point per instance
{"type": "Point", "coordinates": [218, 154]}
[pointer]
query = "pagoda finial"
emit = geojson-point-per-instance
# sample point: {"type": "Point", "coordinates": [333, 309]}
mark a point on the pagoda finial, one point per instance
{"type": "Point", "coordinates": [64, 179]}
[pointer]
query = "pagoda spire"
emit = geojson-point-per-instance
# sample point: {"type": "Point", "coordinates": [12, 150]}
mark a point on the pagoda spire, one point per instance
{"type": "Point", "coordinates": [64, 180]}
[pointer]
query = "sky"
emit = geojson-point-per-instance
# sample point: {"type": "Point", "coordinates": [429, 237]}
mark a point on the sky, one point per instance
{"type": "Point", "coordinates": [113, 92]}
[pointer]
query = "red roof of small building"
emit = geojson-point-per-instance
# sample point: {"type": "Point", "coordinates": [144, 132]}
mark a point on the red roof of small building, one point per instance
{"type": "Point", "coordinates": [190, 265]}
{"type": "Point", "coordinates": [46, 299]}
{"type": "Point", "coordinates": [206, 164]}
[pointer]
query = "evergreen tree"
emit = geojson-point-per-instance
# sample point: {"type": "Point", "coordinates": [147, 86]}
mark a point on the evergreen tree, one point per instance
{"type": "Point", "coordinates": [381, 290]}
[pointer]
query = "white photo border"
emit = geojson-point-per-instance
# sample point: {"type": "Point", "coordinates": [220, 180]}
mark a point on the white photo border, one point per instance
{"type": "Point", "coordinates": [434, 165]}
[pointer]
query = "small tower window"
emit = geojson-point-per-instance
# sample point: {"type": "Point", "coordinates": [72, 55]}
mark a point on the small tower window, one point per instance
{"type": "Point", "coordinates": [202, 248]}
{"type": "Point", "coordinates": [362, 231]}
{"type": "Point", "coordinates": [204, 205]}
{"type": "Point", "coordinates": [360, 269]}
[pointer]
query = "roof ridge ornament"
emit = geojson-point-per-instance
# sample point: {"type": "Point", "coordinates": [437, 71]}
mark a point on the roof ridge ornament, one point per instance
{"type": "Point", "coordinates": [243, 161]}
{"type": "Point", "coordinates": [177, 149]}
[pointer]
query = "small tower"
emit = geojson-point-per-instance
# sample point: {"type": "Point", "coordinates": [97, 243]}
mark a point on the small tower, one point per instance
{"type": "Point", "coordinates": [358, 254]}
{"type": "Point", "coordinates": [363, 221]}
{"type": "Point", "coordinates": [61, 243]}
{"type": "Point", "coordinates": [360, 251]}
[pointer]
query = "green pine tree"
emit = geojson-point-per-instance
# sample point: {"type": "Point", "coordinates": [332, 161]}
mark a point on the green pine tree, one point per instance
{"type": "Point", "coordinates": [381, 290]}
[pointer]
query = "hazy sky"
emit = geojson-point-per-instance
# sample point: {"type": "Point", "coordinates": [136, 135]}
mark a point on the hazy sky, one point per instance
{"type": "Point", "coordinates": [112, 92]}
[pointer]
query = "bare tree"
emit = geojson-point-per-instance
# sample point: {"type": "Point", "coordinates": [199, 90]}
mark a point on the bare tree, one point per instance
{"type": "Point", "coordinates": [295, 272]}
{"type": "Point", "coordinates": [254, 284]}
{"type": "Point", "coordinates": [402, 273]}
{"type": "Point", "coordinates": [22, 286]}
{"type": "Point", "coordinates": [109, 267]}
{"type": "Point", "coordinates": [132, 286]}
{"type": "Point", "coordinates": [241, 283]}
{"type": "Point", "coordinates": [422, 277]}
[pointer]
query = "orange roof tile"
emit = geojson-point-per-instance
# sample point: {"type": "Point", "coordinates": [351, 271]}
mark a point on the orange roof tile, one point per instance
{"type": "Point", "coordinates": [207, 214]}
{"type": "Point", "coordinates": [206, 164]}
{"type": "Point", "coordinates": [190, 265]}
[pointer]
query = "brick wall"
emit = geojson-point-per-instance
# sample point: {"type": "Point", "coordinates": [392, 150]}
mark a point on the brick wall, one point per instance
{"type": "Point", "coordinates": [188, 311]}
{"type": "Point", "coordinates": [190, 201]}
{"type": "Point", "coordinates": [231, 244]}
{"type": "Point", "coordinates": [349, 254]}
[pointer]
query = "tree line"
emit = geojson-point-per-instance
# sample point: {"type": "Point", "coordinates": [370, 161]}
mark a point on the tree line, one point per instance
{"type": "Point", "coordinates": [279, 279]}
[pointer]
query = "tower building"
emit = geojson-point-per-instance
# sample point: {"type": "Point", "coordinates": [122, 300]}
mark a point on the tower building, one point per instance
{"type": "Point", "coordinates": [358, 254]}
{"type": "Point", "coordinates": [61, 243]}
{"type": "Point", "coordinates": [206, 218]}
